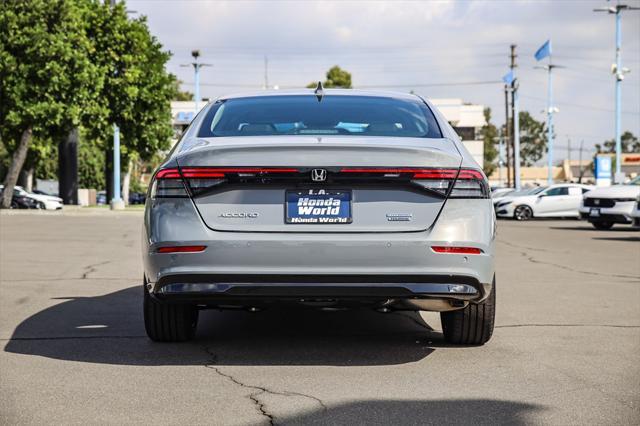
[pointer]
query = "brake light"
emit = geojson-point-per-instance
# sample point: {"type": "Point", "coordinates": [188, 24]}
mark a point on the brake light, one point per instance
{"type": "Point", "coordinates": [181, 249]}
{"type": "Point", "coordinates": [456, 250]}
{"type": "Point", "coordinates": [170, 182]}
{"type": "Point", "coordinates": [469, 183]}
{"type": "Point", "coordinates": [167, 183]}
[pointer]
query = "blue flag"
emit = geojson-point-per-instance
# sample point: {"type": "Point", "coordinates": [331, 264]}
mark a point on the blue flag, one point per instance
{"type": "Point", "coordinates": [544, 51]}
{"type": "Point", "coordinates": [508, 77]}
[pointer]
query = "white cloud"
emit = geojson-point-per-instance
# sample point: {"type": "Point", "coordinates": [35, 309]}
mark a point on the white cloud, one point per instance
{"type": "Point", "coordinates": [397, 43]}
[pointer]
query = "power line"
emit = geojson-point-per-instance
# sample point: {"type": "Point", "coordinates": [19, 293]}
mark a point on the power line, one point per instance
{"type": "Point", "coordinates": [465, 83]}
{"type": "Point", "coordinates": [570, 104]}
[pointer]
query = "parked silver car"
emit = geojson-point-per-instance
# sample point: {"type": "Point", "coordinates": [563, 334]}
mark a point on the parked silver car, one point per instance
{"type": "Point", "coordinates": [325, 198]}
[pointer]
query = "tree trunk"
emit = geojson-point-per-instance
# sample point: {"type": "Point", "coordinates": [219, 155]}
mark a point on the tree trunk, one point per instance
{"type": "Point", "coordinates": [68, 168]}
{"type": "Point", "coordinates": [108, 173]}
{"type": "Point", "coordinates": [14, 169]}
{"type": "Point", "coordinates": [126, 182]}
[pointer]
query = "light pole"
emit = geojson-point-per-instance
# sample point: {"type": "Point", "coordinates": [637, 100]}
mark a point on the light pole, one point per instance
{"type": "Point", "coordinates": [117, 203]}
{"type": "Point", "coordinates": [550, 123]}
{"type": "Point", "coordinates": [618, 72]}
{"type": "Point", "coordinates": [196, 68]}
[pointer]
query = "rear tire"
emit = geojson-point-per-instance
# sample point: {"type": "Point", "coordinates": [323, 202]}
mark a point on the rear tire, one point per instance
{"type": "Point", "coordinates": [472, 325]}
{"type": "Point", "coordinates": [523, 213]}
{"type": "Point", "coordinates": [167, 322]}
{"type": "Point", "coordinates": [602, 225]}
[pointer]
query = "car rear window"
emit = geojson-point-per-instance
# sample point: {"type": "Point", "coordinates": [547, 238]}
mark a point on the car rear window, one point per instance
{"type": "Point", "coordinates": [333, 115]}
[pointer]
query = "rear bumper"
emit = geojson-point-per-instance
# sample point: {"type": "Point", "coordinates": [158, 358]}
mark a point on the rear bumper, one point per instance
{"type": "Point", "coordinates": [435, 293]}
{"type": "Point", "coordinates": [242, 265]}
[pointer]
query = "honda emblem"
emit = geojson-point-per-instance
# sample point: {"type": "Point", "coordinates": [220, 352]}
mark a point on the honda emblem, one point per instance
{"type": "Point", "coordinates": [318, 175]}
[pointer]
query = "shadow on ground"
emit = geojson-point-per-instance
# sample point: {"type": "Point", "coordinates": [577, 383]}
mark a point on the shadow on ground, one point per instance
{"type": "Point", "coordinates": [628, 239]}
{"type": "Point", "coordinates": [586, 227]}
{"type": "Point", "coordinates": [438, 412]}
{"type": "Point", "coordinates": [109, 329]}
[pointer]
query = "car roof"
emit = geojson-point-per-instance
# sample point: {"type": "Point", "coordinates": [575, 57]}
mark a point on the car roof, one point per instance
{"type": "Point", "coordinates": [327, 92]}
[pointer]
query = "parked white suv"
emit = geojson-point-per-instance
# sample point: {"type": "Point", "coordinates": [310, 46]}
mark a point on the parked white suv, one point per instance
{"type": "Point", "coordinates": [604, 207]}
{"type": "Point", "coordinates": [635, 213]}
{"type": "Point", "coordinates": [560, 200]}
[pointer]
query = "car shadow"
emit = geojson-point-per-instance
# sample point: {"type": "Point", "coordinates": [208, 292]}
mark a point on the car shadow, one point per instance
{"type": "Point", "coordinates": [109, 329]}
{"type": "Point", "coordinates": [435, 412]}
{"type": "Point", "coordinates": [630, 239]}
{"type": "Point", "coordinates": [616, 228]}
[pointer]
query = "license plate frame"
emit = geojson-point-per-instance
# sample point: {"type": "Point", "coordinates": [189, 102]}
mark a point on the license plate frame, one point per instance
{"type": "Point", "coordinates": [344, 206]}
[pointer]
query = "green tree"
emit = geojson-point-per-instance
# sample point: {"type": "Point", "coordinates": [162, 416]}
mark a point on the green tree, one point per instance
{"type": "Point", "coordinates": [48, 79]}
{"type": "Point", "coordinates": [179, 94]}
{"type": "Point", "coordinates": [533, 139]}
{"type": "Point", "coordinates": [628, 141]}
{"type": "Point", "coordinates": [336, 77]}
{"type": "Point", "coordinates": [489, 134]}
{"type": "Point", "coordinates": [137, 91]}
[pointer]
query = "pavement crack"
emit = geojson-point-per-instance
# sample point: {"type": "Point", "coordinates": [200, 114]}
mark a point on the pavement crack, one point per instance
{"type": "Point", "coordinates": [89, 269]}
{"type": "Point", "coordinates": [532, 248]}
{"type": "Point", "coordinates": [254, 396]}
{"type": "Point", "coordinates": [533, 260]}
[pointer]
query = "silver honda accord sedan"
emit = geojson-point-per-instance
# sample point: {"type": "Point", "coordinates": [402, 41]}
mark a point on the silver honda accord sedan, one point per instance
{"type": "Point", "coordinates": [321, 198]}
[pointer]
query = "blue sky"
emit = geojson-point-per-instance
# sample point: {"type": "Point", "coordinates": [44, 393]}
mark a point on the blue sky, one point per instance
{"type": "Point", "coordinates": [419, 45]}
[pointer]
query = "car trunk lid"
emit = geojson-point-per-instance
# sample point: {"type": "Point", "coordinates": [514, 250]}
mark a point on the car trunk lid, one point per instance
{"type": "Point", "coordinates": [266, 184]}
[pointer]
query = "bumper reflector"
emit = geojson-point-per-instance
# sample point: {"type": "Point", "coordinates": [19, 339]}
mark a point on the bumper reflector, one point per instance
{"type": "Point", "coordinates": [456, 250]}
{"type": "Point", "coordinates": [180, 249]}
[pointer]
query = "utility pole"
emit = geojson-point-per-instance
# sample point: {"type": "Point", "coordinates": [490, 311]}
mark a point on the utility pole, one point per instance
{"type": "Point", "coordinates": [618, 71]}
{"type": "Point", "coordinates": [580, 170]}
{"type": "Point", "coordinates": [515, 112]}
{"type": "Point", "coordinates": [500, 157]}
{"type": "Point", "coordinates": [266, 72]}
{"type": "Point", "coordinates": [196, 69]}
{"type": "Point", "coordinates": [507, 132]}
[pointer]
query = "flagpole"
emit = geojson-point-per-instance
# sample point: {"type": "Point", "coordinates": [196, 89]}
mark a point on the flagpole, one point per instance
{"type": "Point", "coordinates": [550, 123]}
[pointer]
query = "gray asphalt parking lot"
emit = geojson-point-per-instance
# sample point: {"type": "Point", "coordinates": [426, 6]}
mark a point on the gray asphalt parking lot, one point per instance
{"type": "Point", "coordinates": [566, 348]}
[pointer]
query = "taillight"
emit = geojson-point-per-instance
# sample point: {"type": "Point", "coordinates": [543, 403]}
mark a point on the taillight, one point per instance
{"type": "Point", "coordinates": [469, 183]}
{"type": "Point", "coordinates": [170, 183]}
{"type": "Point", "coordinates": [181, 249]}
{"type": "Point", "coordinates": [167, 183]}
{"type": "Point", "coordinates": [201, 179]}
{"type": "Point", "coordinates": [456, 250]}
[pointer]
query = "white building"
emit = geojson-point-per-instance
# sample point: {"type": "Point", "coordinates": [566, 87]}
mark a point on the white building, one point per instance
{"type": "Point", "coordinates": [466, 119]}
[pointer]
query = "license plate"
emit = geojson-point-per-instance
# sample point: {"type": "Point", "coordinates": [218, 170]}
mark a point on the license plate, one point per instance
{"type": "Point", "coordinates": [318, 206]}
{"type": "Point", "coordinates": [594, 212]}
